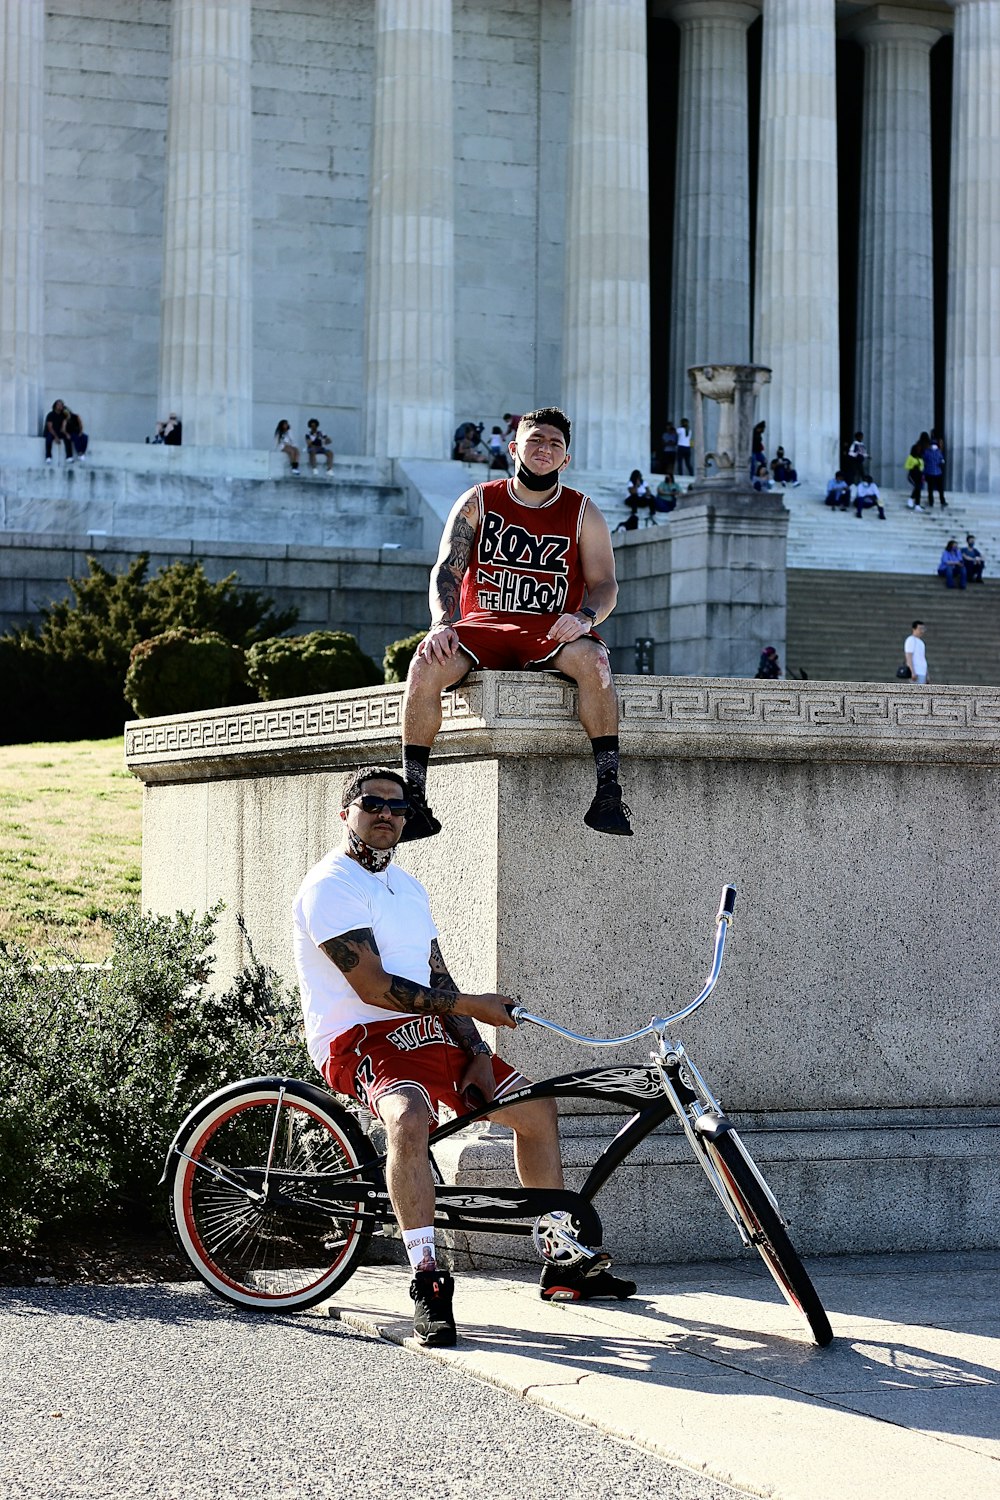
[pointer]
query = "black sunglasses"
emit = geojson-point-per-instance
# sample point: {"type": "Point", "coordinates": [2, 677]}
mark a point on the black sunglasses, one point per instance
{"type": "Point", "coordinates": [397, 806]}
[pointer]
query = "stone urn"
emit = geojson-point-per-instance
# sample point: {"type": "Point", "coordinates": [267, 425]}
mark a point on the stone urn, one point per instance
{"type": "Point", "coordinates": [735, 388]}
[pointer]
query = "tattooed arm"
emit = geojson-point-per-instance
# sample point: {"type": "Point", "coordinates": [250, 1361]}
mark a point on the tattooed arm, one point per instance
{"type": "Point", "coordinates": [441, 642]}
{"type": "Point", "coordinates": [462, 1028]}
{"type": "Point", "coordinates": [357, 957]}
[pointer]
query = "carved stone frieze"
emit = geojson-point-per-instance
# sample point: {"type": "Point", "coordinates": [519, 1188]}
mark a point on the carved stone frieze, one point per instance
{"type": "Point", "coordinates": [501, 713]}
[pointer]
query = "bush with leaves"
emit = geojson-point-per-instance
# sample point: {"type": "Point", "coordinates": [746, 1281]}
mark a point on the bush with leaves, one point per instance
{"type": "Point", "coordinates": [396, 662]}
{"type": "Point", "coordinates": [99, 1065]}
{"type": "Point", "coordinates": [182, 671]}
{"type": "Point", "coordinates": [86, 641]}
{"type": "Point", "coordinates": [326, 661]}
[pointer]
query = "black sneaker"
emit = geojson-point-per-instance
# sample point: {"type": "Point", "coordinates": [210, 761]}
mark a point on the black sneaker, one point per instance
{"type": "Point", "coordinates": [583, 1282]}
{"type": "Point", "coordinates": [608, 813]}
{"type": "Point", "coordinates": [433, 1324]}
{"type": "Point", "coordinates": [421, 824]}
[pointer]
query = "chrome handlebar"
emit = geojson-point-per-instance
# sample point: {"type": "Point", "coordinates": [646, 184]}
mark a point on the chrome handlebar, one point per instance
{"type": "Point", "coordinates": [658, 1025]}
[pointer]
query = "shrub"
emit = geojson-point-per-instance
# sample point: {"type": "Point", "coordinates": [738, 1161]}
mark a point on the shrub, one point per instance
{"type": "Point", "coordinates": [98, 1066]}
{"type": "Point", "coordinates": [396, 662]}
{"type": "Point", "coordinates": [78, 693]}
{"type": "Point", "coordinates": [182, 671]}
{"type": "Point", "coordinates": [327, 661]}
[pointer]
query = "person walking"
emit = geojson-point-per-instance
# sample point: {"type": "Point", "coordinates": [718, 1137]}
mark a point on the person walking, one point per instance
{"type": "Point", "coordinates": [386, 1023]}
{"type": "Point", "coordinates": [527, 565]}
{"type": "Point", "coordinates": [914, 467]}
{"type": "Point", "coordinates": [933, 458]}
{"type": "Point", "coordinates": [915, 652]}
{"type": "Point", "coordinates": [684, 447]}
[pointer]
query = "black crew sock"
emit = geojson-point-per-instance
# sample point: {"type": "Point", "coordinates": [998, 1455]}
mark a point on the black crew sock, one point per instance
{"type": "Point", "coordinates": [605, 748]}
{"type": "Point", "coordinates": [415, 759]}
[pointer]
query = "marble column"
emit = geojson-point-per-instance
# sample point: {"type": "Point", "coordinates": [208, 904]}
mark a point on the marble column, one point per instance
{"type": "Point", "coordinates": [894, 347]}
{"type": "Point", "coordinates": [22, 41]}
{"type": "Point", "coordinates": [796, 313]}
{"type": "Point", "coordinates": [972, 375]}
{"type": "Point", "coordinates": [410, 332]}
{"type": "Point", "coordinates": [206, 371]}
{"type": "Point", "coordinates": [710, 301]}
{"type": "Point", "coordinates": [606, 318]}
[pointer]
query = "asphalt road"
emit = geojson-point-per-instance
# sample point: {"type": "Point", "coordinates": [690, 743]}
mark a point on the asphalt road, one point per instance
{"type": "Point", "coordinates": [166, 1392]}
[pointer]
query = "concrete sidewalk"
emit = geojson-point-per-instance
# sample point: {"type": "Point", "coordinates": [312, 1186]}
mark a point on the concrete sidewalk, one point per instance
{"type": "Point", "coordinates": [706, 1365]}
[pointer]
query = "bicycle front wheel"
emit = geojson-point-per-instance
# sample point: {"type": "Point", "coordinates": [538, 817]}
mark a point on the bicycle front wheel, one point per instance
{"type": "Point", "coordinates": [766, 1231]}
{"type": "Point", "coordinates": [259, 1253]}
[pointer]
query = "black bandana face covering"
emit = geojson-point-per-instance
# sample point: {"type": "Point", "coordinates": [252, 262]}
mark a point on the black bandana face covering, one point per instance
{"type": "Point", "coordinates": [369, 858]}
{"type": "Point", "coordinates": [536, 481]}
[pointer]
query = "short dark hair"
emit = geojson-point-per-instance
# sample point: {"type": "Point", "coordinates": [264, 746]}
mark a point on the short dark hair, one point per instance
{"type": "Point", "coordinates": [915, 624]}
{"type": "Point", "coordinates": [355, 782]}
{"type": "Point", "coordinates": [547, 416]}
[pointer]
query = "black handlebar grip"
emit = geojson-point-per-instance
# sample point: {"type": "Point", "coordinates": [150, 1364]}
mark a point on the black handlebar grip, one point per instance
{"type": "Point", "coordinates": [728, 903]}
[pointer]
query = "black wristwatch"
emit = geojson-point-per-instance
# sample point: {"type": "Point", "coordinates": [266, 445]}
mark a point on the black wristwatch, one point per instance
{"type": "Point", "coordinates": [590, 613]}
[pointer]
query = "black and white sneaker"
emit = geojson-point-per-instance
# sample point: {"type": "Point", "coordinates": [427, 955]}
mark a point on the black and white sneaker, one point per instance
{"type": "Point", "coordinates": [433, 1323]}
{"type": "Point", "coordinates": [421, 824]}
{"type": "Point", "coordinates": [608, 813]}
{"type": "Point", "coordinates": [583, 1282]}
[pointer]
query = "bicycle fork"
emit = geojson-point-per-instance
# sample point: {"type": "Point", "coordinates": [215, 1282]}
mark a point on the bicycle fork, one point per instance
{"type": "Point", "coordinates": [702, 1118]}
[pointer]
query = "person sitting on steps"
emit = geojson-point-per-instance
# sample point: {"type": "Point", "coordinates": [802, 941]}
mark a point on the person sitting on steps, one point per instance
{"type": "Point", "coordinates": [528, 566]}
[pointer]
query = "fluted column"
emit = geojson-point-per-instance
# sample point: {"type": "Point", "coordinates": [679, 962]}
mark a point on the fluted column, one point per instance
{"type": "Point", "coordinates": [972, 425]}
{"type": "Point", "coordinates": [22, 37]}
{"type": "Point", "coordinates": [894, 393]}
{"type": "Point", "coordinates": [606, 318]}
{"type": "Point", "coordinates": [710, 301]}
{"type": "Point", "coordinates": [796, 319]}
{"type": "Point", "coordinates": [410, 335]}
{"type": "Point", "coordinates": [206, 371]}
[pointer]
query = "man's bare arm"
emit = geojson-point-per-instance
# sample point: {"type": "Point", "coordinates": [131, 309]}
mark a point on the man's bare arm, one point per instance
{"type": "Point", "coordinates": [357, 957]}
{"type": "Point", "coordinates": [462, 1028]}
{"type": "Point", "coordinates": [453, 559]}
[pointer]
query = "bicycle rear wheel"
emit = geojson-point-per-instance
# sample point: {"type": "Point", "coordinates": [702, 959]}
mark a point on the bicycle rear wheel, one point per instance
{"type": "Point", "coordinates": [263, 1254]}
{"type": "Point", "coordinates": [766, 1231]}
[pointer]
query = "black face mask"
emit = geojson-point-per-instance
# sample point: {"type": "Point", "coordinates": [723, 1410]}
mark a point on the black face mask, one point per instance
{"type": "Point", "coordinates": [536, 481]}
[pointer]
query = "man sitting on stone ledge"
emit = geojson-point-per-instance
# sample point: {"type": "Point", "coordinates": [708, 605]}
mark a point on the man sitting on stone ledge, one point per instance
{"type": "Point", "coordinates": [528, 565]}
{"type": "Point", "coordinates": [386, 1023]}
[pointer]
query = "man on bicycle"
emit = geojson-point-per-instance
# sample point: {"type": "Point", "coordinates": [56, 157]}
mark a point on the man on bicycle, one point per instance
{"type": "Point", "coordinates": [386, 1023]}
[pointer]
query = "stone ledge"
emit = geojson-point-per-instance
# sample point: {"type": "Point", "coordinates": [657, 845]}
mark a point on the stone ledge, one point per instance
{"type": "Point", "coordinates": [496, 713]}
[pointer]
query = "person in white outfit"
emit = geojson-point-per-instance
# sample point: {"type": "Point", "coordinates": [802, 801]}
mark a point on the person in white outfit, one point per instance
{"type": "Point", "coordinates": [916, 652]}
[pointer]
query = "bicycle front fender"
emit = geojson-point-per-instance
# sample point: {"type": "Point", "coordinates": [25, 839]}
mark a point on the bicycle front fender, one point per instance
{"type": "Point", "coordinates": [309, 1090]}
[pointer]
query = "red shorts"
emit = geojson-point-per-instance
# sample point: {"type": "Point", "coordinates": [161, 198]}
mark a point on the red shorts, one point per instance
{"type": "Point", "coordinates": [505, 645]}
{"type": "Point", "coordinates": [370, 1061]}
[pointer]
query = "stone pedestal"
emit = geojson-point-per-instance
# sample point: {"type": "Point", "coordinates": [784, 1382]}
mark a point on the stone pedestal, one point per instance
{"type": "Point", "coordinates": [835, 1037]}
{"type": "Point", "coordinates": [206, 348]}
{"type": "Point", "coordinates": [22, 204]}
{"type": "Point", "coordinates": [410, 337]}
{"type": "Point", "coordinates": [606, 308]}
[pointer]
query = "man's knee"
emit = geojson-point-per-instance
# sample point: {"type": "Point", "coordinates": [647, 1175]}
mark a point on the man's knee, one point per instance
{"type": "Point", "coordinates": [586, 661]}
{"type": "Point", "coordinates": [428, 679]}
{"type": "Point", "coordinates": [406, 1120]}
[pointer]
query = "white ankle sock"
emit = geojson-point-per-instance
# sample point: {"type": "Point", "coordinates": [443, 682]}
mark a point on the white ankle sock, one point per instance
{"type": "Point", "coordinates": [420, 1247]}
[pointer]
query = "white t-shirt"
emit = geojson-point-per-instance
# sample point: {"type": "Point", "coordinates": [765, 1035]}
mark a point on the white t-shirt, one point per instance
{"type": "Point", "coordinates": [915, 646]}
{"type": "Point", "coordinates": [338, 895]}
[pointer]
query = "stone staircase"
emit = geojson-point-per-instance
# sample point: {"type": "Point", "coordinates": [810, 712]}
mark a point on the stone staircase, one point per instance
{"type": "Point", "coordinates": [905, 542]}
{"type": "Point", "coordinates": [850, 627]}
{"type": "Point", "coordinates": [130, 490]}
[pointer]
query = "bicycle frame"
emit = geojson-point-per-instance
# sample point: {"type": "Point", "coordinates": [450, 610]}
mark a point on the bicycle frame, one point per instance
{"type": "Point", "coordinates": [670, 1085]}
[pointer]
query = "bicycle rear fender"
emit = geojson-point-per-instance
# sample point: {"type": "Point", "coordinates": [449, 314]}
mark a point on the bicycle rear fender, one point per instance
{"type": "Point", "coordinates": [308, 1091]}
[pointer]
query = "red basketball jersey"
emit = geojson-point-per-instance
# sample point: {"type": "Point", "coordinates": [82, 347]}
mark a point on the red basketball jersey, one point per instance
{"type": "Point", "coordinates": [526, 558]}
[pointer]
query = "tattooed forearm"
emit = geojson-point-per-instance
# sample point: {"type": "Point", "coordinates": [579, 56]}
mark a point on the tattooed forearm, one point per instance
{"type": "Point", "coordinates": [405, 994]}
{"type": "Point", "coordinates": [462, 1028]}
{"type": "Point", "coordinates": [345, 950]}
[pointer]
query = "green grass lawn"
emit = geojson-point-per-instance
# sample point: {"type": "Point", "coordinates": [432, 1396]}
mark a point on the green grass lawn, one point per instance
{"type": "Point", "coordinates": [70, 845]}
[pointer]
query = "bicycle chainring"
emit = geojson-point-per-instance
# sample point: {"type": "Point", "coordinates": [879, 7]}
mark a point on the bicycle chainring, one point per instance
{"type": "Point", "coordinates": [555, 1240]}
